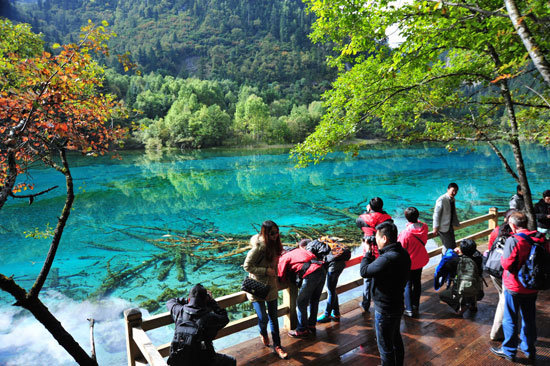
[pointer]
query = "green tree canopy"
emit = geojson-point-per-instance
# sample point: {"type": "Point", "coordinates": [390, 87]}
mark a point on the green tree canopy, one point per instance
{"type": "Point", "coordinates": [459, 68]}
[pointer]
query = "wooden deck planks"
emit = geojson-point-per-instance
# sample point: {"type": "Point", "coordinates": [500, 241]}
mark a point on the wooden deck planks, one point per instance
{"type": "Point", "coordinates": [437, 337]}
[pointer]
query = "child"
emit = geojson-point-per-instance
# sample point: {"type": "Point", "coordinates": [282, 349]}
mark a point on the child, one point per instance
{"type": "Point", "coordinates": [466, 288]}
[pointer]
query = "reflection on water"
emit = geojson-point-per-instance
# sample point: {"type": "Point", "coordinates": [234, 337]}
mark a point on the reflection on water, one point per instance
{"type": "Point", "coordinates": [125, 209]}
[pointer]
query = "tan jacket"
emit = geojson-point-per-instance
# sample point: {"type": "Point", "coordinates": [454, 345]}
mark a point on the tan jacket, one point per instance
{"type": "Point", "coordinates": [256, 265]}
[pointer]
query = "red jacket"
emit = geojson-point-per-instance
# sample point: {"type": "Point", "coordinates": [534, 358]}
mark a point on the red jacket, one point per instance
{"type": "Point", "coordinates": [492, 237]}
{"type": "Point", "coordinates": [414, 239]}
{"type": "Point", "coordinates": [367, 222]}
{"type": "Point", "coordinates": [516, 252]}
{"type": "Point", "coordinates": [294, 260]}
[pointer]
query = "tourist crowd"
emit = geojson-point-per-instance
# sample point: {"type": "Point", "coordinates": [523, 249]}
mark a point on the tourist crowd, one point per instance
{"type": "Point", "coordinates": [391, 266]}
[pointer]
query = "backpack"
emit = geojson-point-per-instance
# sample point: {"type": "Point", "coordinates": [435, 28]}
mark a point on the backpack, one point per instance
{"type": "Point", "coordinates": [535, 272]}
{"type": "Point", "coordinates": [468, 278]}
{"type": "Point", "coordinates": [338, 251]}
{"type": "Point", "coordinates": [491, 263]}
{"type": "Point", "coordinates": [187, 342]}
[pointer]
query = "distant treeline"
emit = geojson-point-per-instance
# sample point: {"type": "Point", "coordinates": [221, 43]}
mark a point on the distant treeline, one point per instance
{"type": "Point", "coordinates": [192, 113]}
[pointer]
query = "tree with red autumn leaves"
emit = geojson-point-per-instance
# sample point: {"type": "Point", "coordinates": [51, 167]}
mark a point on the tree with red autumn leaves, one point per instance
{"type": "Point", "coordinates": [50, 105]}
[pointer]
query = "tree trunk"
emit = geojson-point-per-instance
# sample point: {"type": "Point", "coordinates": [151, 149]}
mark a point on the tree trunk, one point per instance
{"type": "Point", "coordinates": [44, 316]}
{"type": "Point", "coordinates": [529, 42]}
{"type": "Point", "coordinates": [518, 156]}
{"type": "Point", "coordinates": [62, 220]}
{"type": "Point", "coordinates": [10, 179]}
{"type": "Point", "coordinates": [514, 142]}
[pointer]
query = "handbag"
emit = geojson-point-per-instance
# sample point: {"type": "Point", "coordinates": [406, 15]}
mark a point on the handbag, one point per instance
{"type": "Point", "coordinates": [255, 287]}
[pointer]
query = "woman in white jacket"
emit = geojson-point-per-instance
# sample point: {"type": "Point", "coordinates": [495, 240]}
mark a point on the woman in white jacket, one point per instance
{"type": "Point", "coordinates": [261, 264]}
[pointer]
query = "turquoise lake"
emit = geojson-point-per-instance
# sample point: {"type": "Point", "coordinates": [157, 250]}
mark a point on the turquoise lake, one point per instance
{"type": "Point", "coordinates": [127, 211]}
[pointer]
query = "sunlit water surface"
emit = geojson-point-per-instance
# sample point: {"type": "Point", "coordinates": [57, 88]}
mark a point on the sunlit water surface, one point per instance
{"type": "Point", "coordinates": [121, 205]}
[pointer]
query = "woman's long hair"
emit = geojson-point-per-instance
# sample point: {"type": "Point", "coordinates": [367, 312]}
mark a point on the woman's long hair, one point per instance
{"type": "Point", "coordinates": [505, 230]}
{"type": "Point", "coordinates": [273, 245]}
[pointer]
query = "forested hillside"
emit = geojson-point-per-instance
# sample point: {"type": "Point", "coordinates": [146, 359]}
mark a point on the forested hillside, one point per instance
{"type": "Point", "coordinates": [257, 42]}
{"type": "Point", "coordinates": [212, 71]}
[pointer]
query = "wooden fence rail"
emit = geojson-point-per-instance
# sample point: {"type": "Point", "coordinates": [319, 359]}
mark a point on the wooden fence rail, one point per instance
{"type": "Point", "coordinates": [141, 351]}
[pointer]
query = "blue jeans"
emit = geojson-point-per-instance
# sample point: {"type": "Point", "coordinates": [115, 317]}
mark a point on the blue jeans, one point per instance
{"type": "Point", "coordinates": [332, 301]}
{"type": "Point", "coordinates": [514, 304]}
{"type": "Point", "coordinates": [309, 294]}
{"type": "Point", "coordinates": [388, 337]}
{"type": "Point", "coordinates": [412, 290]}
{"type": "Point", "coordinates": [259, 306]}
{"type": "Point", "coordinates": [366, 293]}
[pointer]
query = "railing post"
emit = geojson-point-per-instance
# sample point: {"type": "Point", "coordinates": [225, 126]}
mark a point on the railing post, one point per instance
{"type": "Point", "coordinates": [493, 221]}
{"type": "Point", "coordinates": [132, 318]}
{"type": "Point", "coordinates": [290, 294]}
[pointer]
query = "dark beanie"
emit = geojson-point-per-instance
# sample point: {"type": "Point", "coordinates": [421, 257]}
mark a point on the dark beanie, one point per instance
{"type": "Point", "coordinates": [468, 247]}
{"type": "Point", "coordinates": [198, 295]}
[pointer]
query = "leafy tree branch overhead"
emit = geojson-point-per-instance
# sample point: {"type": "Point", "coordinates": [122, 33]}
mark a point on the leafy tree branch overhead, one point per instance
{"type": "Point", "coordinates": [460, 73]}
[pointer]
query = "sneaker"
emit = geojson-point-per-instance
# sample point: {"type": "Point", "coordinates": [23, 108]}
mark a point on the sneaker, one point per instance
{"type": "Point", "coordinates": [408, 313]}
{"type": "Point", "coordinates": [324, 319]}
{"type": "Point", "coordinates": [280, 352]}
{"type": "Point", "coordinates": [500, 353]}
{"type": "Point", "coordinates": [265, 339]}
{"type": "Point", "coordinates": [299, 334]}
{"type": "Point", "coordinates": [335, 317]}
{"type": "Point", "coordinates": [312, 329]}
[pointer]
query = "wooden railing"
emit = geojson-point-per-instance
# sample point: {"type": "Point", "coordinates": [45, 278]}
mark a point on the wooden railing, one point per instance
{"type": "Point", "coordinates": [141, 351]}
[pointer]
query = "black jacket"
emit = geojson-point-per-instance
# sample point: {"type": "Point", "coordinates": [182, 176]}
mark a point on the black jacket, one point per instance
{"type": "Point", "coordinates": [542, 210]}
{"type": "Point", "coordinates": [213, 318]}
{"type": "Point", "coordinates": [390, 273]}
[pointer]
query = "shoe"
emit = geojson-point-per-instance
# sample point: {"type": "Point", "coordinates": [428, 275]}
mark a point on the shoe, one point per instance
{"type": "Point", "coordinates": [280, 352]}
{"type": "Point", "coordinates": [460, 311]}
{"type": "Point", "coordinates": [299, 334]}
{"type": "Point", "coordinates": [500, 353]}
{"type": "Point", "coordinates": [497, 338]}
{"type": "Point", "coordinates": [531, 357]}
{"type": "Point", "coordinates": [265, 340]}
{"type": "Point", "coordinates": [365, 310]}
{"type": "Point", "coordinates": [408, 313]}
{"type": "Point", "coordinates": [324, 319]}
{"type": "Point", "coordinates": [312, 329]}
{"type": "Point", "coordinates": [335, 317]}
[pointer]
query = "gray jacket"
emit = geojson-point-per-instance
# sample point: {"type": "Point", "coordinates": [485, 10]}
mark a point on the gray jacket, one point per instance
{"type": "Point", "coordinates": [443, 214]}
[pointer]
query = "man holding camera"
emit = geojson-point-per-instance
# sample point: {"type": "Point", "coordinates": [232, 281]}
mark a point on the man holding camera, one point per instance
{"type": "Point", "coordinates": [198, 319]}
{"type": "Point", "coordinates": [389, 273]}
{"type": "Point", "coordinates": [367, 222]}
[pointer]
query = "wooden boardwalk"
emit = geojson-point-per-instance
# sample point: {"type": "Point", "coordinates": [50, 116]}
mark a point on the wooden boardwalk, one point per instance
{"type": "Point", "coordinates": [437, 337]}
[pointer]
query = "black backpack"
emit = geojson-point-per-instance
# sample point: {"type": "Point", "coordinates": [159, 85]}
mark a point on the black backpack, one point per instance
{"type": "Point", "coordinates": [491, 263]}
{"type": "Point", "coordinates": [535, 272]}
{"type": "Point", "coordinates": [187, 343]}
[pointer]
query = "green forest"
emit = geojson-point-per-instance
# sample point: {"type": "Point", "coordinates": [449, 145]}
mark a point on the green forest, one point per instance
{"type": "Point", "coordinates": [210, 72]}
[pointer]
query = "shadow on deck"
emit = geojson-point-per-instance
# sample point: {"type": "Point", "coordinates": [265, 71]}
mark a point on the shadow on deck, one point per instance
{"type": "Point", "coordinates": [437, 337]}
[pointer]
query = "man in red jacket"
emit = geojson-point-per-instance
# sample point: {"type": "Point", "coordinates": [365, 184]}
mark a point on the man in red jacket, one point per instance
{"type": "Point", "coordinates": [367, 222]}
{"type": "Point", "coordinates": [517, 298]}
{"type": "Point", "coordinates": [306, 266]}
